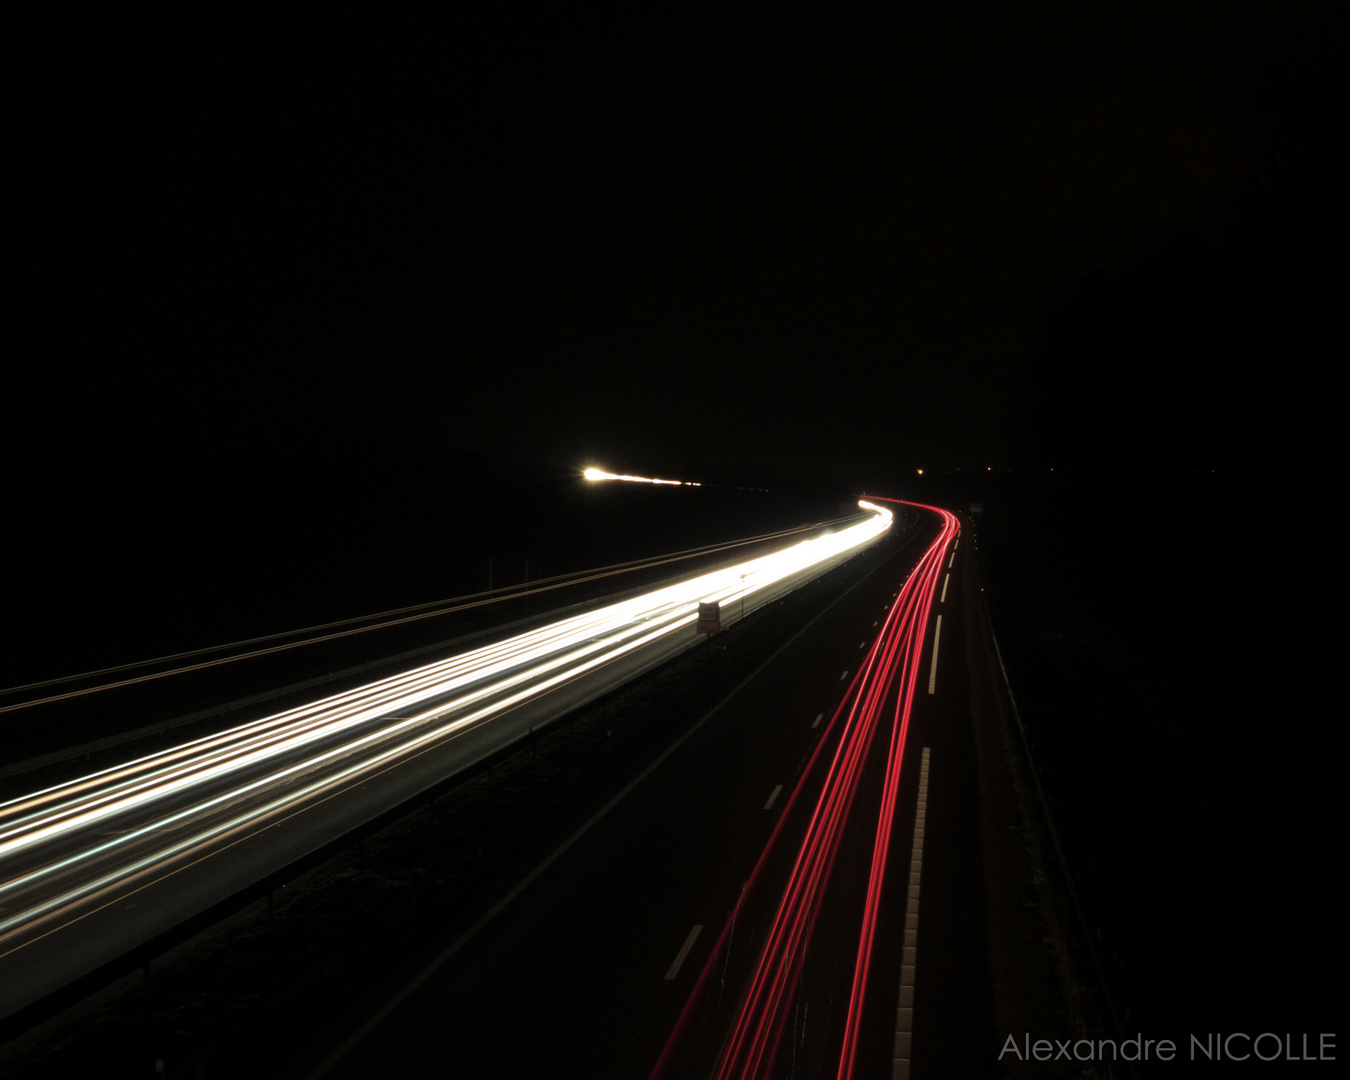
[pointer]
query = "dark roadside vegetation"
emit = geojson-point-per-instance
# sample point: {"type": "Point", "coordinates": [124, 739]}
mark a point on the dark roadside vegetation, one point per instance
{"type": "Point", "coordinates": [1168, 677]}
{"type": "Point", "coordinates": [1159, 580]}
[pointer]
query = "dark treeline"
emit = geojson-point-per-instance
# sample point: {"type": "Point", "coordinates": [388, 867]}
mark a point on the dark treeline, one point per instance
{"type": "Point", "coordinates": [1160, 619]}
{"type": "Point", "coordinates": [1168, 671]}
{"type": "Point", "coordinates": [1209, 352]}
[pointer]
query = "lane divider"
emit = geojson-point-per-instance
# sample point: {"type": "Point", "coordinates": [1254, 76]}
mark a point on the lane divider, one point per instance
{"type": "Point", "coordinates": [684, 951]}
{"type": "Point", "coordinates": [932, 675]}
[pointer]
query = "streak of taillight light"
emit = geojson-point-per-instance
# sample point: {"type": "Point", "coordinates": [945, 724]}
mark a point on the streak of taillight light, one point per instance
{"type": "Point", "coordinates": [757, 1031]}
{"type": "Point", "coordinates": [717, 950]}
{"type": "Point", "coordinates": [881, 846]}
{"type": "Point", "coordinates": [860, 682]}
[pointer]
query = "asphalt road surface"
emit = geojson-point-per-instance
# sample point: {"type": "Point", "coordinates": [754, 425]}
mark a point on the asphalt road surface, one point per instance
{"type": "Point", "coordinates": [586, 967]}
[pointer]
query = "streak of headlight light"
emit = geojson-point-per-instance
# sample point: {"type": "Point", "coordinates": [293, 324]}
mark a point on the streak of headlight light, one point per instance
{"type": "Point", "coordinates": [110, 804]}
{"type": "Point", "coordinates": [367, 765]}
{"type": "Point", "coordinates": [743, 580]}
{"type": "Point", "coordinates": [600, 474]}
{"type": "Point", "coordinates": [240, 761]}
{"type": "Point", "coordinates": [661, 612]}
{"type": "Point", "coordinates": [752, 1045]}
{"type": "Point", "coordinates": [757, 574]}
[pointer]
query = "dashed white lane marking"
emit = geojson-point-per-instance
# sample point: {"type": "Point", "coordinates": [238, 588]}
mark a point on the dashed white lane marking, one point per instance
{"type": "Point", "coordinates": [932, 674]}
{"type": "Point", "coordinates": [904, 1013]}
{"type": "Point", "coordinates": [843, 676]}
{"type": "Point", "coordinates": [773, 797]}
{"type": "Point", "coordinates": [957, 544]}
{"type": "Point", "coordinates": [946, 579]}
{"type": "Point", "coordinates": [951, 560]}
{"type": "Point", "coordinates": [862, 644]}
{"type": "Point", "coordinates": [684, 951]}
{"type": "Point", "coordinates": [877, 621]}
{"type": "Point", "coordinates": [817, 720]}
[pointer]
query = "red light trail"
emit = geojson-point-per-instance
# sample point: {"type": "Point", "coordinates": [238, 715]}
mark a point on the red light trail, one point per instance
{"type": "Point", "coordinates": [756, 1033]}
{"type": "Point", "coordinates": [915, 601]}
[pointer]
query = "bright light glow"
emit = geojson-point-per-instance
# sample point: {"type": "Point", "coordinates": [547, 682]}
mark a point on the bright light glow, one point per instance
{"type": "Point", "coordinates": [71, 848]}
{"type": "Point", "coordinates": [599, 474]}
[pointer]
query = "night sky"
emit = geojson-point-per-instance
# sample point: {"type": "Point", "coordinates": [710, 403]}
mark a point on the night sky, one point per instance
{"type": "Point", "coordinates": [776, 243]}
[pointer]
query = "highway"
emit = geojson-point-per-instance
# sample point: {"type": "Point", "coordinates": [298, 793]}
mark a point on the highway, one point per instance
{"type": "Point", "coordinates": [92, 867]}
{"type": "Point", "coordinates": [823, 859]}
{"type": "Point", "coordinates": [745, 901]}
{"type": "Point", "coordinates": [739, 909]}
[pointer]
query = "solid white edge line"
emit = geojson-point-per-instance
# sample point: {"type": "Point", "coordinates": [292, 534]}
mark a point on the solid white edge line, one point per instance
{"type": "Point", "coordinates": [684, 951]}
{"type": "Point", "coordinates": [904, 1012]}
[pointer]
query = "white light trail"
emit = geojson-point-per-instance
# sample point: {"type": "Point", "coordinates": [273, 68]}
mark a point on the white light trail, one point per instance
{"type": "Point", "coordinates": [69, 848]}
